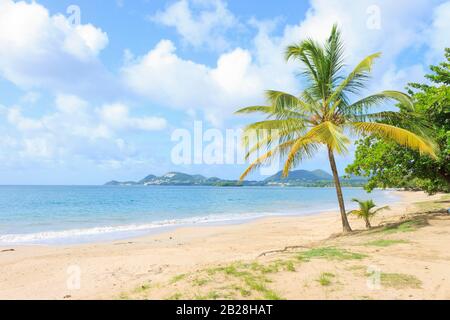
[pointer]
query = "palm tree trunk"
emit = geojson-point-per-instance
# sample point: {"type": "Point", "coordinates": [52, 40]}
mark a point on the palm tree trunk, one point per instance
{"type": "Point", "coordinates": [345, 225]}
{"type": "Point", "coordinates": [368, 225]}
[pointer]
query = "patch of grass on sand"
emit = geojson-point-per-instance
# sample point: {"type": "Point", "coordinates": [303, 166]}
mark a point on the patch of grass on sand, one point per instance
{"type": "Point", "coordinates": [330, 253]}
{"type": "Point", "coordinates": [357, 270]}
{"type": "Point", "coordinates": [274, 267]}
{"type": "Point", "coordinates": [407, 226]}
{"type": "Point", "coordinates": [175, 296]}
{"type": "Point", "coordinates": [200, 282]}
{"type": "Point", "coordinates": [290, 266]}
{"type": "Point", "coordinates": [442, 203]}
{"type": "Point", "coordinates": [231, 270]}
{"type": "Point", "coordinates": [256, 283]}
{"type": "Point", "coordinates": [384, 242]}
{"type": "Point", "coordinates": [243, 292]}
{"type": "Point", "coordinates": [325, 278]}
{"type": "Point", "coordinates": [247, 280]}
{"type": "Point", "coordinates": [143, 288]}
{"type": "Point", "coordinates": [177, 278]}
{"type": "Point", "coordinates": [234, 270]}
{"type": "Point", "coordinates": [251, 277]}
{"type": "Point", "coordinates": [212, 295]}
{"type": "Point", "coordinates": [400, 281]}
{"type": "Point", "coordinates": [270, 295]}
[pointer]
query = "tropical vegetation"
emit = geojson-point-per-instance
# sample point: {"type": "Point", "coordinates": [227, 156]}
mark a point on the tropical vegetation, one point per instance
{"type": "Point", "coordinates": [389, 165]}
{"type": "Point", "coordinates": [324, 113]}
{"type": "Point", "coordinates": [365, 210]}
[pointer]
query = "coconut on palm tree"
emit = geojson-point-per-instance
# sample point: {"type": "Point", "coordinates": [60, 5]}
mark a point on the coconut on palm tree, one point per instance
{"type": "Point", "coordinates": [298, 125]}
{"type": "Point", "coordinates": [365, 210]}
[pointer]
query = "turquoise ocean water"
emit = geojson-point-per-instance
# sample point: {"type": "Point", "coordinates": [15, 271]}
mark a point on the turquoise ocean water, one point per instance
{"type": "Point", "coordinates": [78, 214]}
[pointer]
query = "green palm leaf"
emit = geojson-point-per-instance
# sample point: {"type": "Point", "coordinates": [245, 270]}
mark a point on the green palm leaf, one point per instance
{"type": "Point", "coordinates": [401, 136]}
{"type": "Point", "coordinates": [277, 150]}
{"type": "Point", "coordinates": [366, 103]}
{"type": "Point", "coordinates": [356, 79]}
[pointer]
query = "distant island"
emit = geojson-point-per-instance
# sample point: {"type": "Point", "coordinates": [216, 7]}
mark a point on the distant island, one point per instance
{"type": "Point", "coordinates": [298, 178]}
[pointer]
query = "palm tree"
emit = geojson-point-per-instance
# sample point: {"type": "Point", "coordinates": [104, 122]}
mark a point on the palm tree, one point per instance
{"type": "Point", "coordinates": [296, 126]}
{"type": "Point", "coordinates": [365, 210]}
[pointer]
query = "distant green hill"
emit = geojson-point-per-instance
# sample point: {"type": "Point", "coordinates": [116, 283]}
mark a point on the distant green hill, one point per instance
{"type": "Point", "coordinates": [147, 179]}
{"type": "Point", "coordinates": [177, 178]}
{"type": "Point", "coordinates": [315, 178]}
{"type": "Point", "coordinates": [299, 176]}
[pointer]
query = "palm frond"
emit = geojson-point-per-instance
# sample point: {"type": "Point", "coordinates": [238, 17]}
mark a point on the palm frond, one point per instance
{"type": "Point", "coordinates": [303, 147]}
{"type": "Point", "coordinates": [380, 209]}
{"type": "Point", "coordinates": [254, 109]}
{"type": "Point", "coordinates": [331, 135]}
{"type": "Point", "coordinates": [356, 79]}
{"type": "Point", "coordinates": [297, 52]}
{"type": "Point", "coordinates": [366, 103]}
{"type": "Point", "coordinates": [357, 213]}
{"type": "Point", "coordinates": [334, 49]}
{"type": "Point", "coordinates": [266, 138]}
{"type": "Point", "coordinates": [415, 122]}
{"type": "Point", "coordinates": [401, 136]}
{"type": "Point", "coordinates": [277, 150]}
{"type": "Point", "coordinates": [317, 66]}
{"type": "Point", "coordinates": [325, 133]}
{"type": "Point", "coordinates": [282, 101]}
{"type": "Point", "coordinates": [270, 111]}
{"type": "Point", "coordinates": [290, 125]}
{"type": "Point", "coordinates": [357, 200]}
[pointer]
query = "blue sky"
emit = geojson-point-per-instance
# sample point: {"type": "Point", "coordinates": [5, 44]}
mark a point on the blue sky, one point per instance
{"type": "Point", "coordinates": [93, 97]}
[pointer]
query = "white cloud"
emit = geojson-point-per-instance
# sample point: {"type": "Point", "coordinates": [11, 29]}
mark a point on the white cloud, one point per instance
{"type": "Point", "coordinates": [117, 116]}
{"type": "Point", "coordinates": [400, 23]}
{"type": "Point", "coordinates": [39, 50]}
{"type": "Point", "coordinates": [439, 34]}
{"type": "Point", "coordinates": [38, 148]}
{"type": "Point", "coordinates": [73, 129]}
{"type": "Point", "coordinates": [29, 27]}
{"type": "Point", "coordinates": [82, 41]}
{"type": "Point", "coordinates": [236, 81]}
{"type": "Point", "coordinates": [396, 79]}
{"type": "Point", "coordinates": [30, 97]}
{"type": "Point", "coordinates": [15, 117]}
{"type": "Point", "coordinates": [205, 27]}
{"type": "Point", "coordinates": [70, 104]}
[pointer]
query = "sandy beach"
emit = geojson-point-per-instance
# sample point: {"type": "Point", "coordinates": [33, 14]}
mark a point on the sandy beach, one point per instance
{"type": "Point", "coordinates": [407, 260]}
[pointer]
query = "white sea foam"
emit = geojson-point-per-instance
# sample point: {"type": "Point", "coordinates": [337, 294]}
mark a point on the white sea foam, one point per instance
{"type": "Point", "coordinates": [94, 232]}
{"type": "Point", "coordinates": [111, 232]}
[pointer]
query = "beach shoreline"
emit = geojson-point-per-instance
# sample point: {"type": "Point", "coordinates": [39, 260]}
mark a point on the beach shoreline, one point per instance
{"type": "Point", "coordinates": [108, 269]}
{"type": "Point", "coordinates": [101, 231]}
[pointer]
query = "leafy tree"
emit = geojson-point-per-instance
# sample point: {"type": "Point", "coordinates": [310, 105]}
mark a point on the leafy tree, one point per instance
{"type": "Point", "coordinates": [390, 165]}
{"type": "Point", "coordinates": [318, 116]}
{"type": "Point", "coordinates": [365, 211]}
